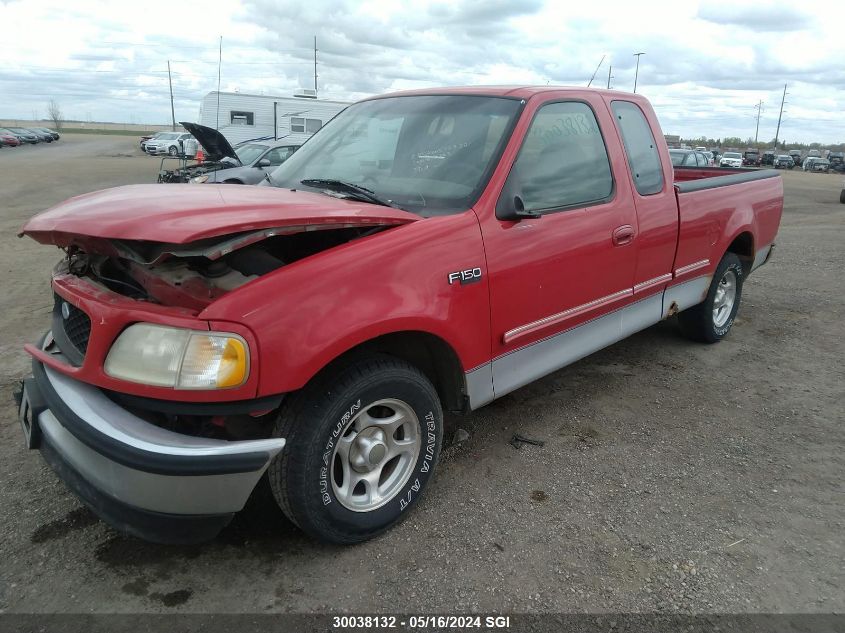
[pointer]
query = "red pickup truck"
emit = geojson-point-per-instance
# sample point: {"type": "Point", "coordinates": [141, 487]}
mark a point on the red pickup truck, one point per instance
{"type": "Point", "coordinates": [425, 250]}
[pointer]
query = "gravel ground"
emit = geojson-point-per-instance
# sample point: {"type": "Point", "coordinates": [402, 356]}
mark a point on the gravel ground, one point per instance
{"type": "Point", "coordinates": [675, 477]}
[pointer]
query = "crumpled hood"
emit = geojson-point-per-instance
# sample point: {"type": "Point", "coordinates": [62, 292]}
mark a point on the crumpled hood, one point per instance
{"type": "Point", "coordinates": [184, 213]}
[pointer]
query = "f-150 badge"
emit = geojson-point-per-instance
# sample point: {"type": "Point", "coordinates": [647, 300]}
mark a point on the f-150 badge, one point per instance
{"type": "Point", "coordinates": [469, 276]}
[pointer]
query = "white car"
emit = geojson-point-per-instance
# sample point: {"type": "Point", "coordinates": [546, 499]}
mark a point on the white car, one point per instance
{"type": "Point", "coordinates": [167, 143]}
{"type": "Point", "coordinates": [730, 159]}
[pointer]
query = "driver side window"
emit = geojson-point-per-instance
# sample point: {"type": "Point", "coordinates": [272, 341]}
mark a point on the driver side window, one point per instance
{"type": "Point", "coordinates": [563, 161]}
{"type": "Point", "coordinates": [278, 155]}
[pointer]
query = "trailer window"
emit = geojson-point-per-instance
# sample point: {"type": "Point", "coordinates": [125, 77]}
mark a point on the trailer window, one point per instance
{"type": "Point", "coordinates": [640, 148]}
{"type": "Point", "coordinates": [305, 126]}
{"type": "Point", "coordinates": [237, 117]}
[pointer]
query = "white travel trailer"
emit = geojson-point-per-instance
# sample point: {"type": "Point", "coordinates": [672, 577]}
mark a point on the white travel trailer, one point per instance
{"type": "Point", "coordinates": [243, 117]}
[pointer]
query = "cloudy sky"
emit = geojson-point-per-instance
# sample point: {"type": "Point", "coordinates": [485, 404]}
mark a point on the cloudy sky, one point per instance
{"type": "Point", "coordinates": [706, 65]}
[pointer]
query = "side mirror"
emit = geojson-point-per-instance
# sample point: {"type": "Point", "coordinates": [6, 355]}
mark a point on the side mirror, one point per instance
{"type": "Point", "coordinates": [264, 162]}
{"type": "Point", "coordinates": [511, 205]}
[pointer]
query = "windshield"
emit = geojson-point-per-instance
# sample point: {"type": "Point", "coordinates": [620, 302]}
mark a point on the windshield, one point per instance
{"type": "Point", "coordinates": [677, 157]}
{"type": "Point", "coordinates": [427, 154]}
{"type": "Point", "coordinates": [731, 155]}
{"type": "Point", "coordinates": [248, 153]}
{"type": "Point", "coordinates": [168, 137]}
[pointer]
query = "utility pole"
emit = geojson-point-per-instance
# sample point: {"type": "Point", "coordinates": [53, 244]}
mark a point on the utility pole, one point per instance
{"type": "Point", "coordinates": [172, 109]}
{"type": "Point", "coordinates": [609, 76]}
{"type": "Point", "coordinates": [315, 64]}
{"type": "Point", "coordinates": [759, 107]}
{"type": "Point", "coordinates": [637, 71]}
{"type": "Point", "coordinates": [782, 101]}
{"type": "Point", "coordinates": [219, 64]}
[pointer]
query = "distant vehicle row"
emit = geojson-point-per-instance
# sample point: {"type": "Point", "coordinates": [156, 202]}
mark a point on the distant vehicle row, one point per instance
{"type": "Point", "coordinates": [14, 136]}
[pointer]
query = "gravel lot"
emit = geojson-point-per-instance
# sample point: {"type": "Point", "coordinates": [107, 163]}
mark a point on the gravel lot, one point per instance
{"type": "Point", "coordinates": [675, 476]}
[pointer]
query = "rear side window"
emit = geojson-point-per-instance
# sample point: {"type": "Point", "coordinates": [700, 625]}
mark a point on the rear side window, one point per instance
{"type": "Point", "coordinates": [643, 158]}
{"type": "Point", "coordinates": [563, 161]}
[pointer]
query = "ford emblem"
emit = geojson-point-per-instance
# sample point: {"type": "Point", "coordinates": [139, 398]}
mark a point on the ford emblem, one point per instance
{"type": "Point", "coordinates": [65, 311]}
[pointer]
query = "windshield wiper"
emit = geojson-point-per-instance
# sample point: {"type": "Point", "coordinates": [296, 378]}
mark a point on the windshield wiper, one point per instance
{"type": "Point", "coordinates": [340, 186]}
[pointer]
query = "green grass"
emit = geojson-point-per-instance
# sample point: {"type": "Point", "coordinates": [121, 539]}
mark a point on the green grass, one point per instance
{"type": "Point", "coordinates": [88, 130]}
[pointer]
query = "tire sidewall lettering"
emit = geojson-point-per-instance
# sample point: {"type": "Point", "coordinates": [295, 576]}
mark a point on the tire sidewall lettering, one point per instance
{"type": "Point", "coordinates": [430, 425]}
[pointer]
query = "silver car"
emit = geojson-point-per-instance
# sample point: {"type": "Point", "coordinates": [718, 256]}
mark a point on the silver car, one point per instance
{"type": "Point", "coordinates": [167, 143]}
{"type": "Point", "coordinates": [256, 158]}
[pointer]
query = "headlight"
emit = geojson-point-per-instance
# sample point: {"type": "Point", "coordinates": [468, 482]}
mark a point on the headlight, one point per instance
{"type": "Point", "coordinates": [178, 358]}
{"type": "Point", "coordinates": [203, 178]}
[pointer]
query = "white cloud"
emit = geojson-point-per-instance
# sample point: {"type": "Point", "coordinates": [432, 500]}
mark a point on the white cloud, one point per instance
{"type": "Point", "coordinates": [707, 63]}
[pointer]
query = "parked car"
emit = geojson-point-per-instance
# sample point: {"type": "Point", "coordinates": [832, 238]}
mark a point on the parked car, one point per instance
{"type": "Point", "coordinates": [783, 162]}
{"type": "Point", "coordinates": [815, 164]}
{"type": "Point", "coordinates": [424, 251]}
{"type": "Point", "coordinates": [44, 137]}
{"type": "Point", "coordinates": [147, 138]}
{"type": "Point", "coordinates": [730, 159]}
{"type": "Point", "coordinates": [7, 138]}
{"type": "Point", "coordinates": [796, 157]}
{"type": "Point", "coordinates": [24, 135]}
{"type": "Point", "coordinates": [768, 158]}
{"type": "Point", "coordinates": [751, 158]}
{"type": "Point", "coordinates": [167, 143]}
{"type": "Point", "coordinates": [837, 161]}
{"type": "Point", "coordinates": [247, 164]}
{"type": "Point", "coordinates": [688, 158]}
{"type": "Point", "coordinates": [53, 134]}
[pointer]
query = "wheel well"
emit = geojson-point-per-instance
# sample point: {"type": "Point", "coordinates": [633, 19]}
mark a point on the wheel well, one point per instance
{"type": "Point", "coordinates": [743, 247]}
{"type": "Point", "coordinates": [430, 354]}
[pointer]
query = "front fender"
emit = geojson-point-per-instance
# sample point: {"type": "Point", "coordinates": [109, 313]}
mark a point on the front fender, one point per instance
{"type": "Point", "coordinates": [308, 313]}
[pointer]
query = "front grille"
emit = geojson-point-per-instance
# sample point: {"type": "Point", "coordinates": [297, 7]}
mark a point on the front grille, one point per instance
{"type": "Point", "coordinates": [71, 333]}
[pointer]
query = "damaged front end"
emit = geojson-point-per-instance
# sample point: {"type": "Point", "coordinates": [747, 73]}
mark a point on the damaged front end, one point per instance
{"type": "Point", "coordinates": [194, 275]}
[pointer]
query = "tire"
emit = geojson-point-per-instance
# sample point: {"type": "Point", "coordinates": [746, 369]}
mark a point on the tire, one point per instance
{"type": "Point", "coordinates": [711, 320]}
{"type": "Point", "coordinates": [335, 440]}
{"type": "Point", "coordinates": [842, 197]}
{"type": "Point", "coordinates": [173, 150]}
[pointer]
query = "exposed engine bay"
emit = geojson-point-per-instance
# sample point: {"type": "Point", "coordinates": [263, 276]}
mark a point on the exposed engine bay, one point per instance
{"type": "Point", "coordinates": [186, 171]}
{"type": "Point", "coordinates": [193, 275]}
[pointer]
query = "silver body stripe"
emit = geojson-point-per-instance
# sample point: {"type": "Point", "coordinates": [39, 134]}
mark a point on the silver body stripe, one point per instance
{"type": "Point", "coordinates": [683, 270]}
{"type": "Point", "coordinates": [645, 285]}
{"type": "Point", "coordinates": [526, 364]}
{"type": "Point", "coordinates": [522, 366]}
{"type": "Point", "coordinates": [762, 256]}
{"type": "Point", "coordinates": [685, 295]}
{"type": "Point", "coordinates": [554, 319]}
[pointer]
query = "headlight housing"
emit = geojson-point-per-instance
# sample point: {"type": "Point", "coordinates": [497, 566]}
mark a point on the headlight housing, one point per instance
{"type": "Point", "coordinates": [178, 358]}
{"type": "Point", "coordinates": [200, 179]}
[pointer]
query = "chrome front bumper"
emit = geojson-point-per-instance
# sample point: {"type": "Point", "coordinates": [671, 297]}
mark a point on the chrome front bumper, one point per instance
{"type": "Point", "coordinates": [140, 478]}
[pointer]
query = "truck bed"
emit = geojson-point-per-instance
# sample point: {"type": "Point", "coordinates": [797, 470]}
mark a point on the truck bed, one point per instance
{"type": "Point", "coordinates": [716, 204]}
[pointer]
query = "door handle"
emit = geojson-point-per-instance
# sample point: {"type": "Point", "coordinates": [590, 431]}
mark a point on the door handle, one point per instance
{"type": "Point", "coordinates": [623, 235]}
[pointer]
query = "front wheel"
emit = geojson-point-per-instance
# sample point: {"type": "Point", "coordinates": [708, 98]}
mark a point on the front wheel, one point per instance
{"type": "Point", "coordinates": [362, 444]}
{"type": "Point", "coordinates": [173, 150]}
{"type": "Point", "coordinates": [711, 320]}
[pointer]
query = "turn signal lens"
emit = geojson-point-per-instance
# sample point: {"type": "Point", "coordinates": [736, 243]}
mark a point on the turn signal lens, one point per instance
{"type": "Point", "coordinates": [213, 361]}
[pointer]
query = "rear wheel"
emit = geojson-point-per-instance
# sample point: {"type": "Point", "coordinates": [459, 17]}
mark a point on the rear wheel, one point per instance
{"type": "Point", "coordinates": [362, 443]}
{"type": "Point", "coordinates": [711, 320]}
